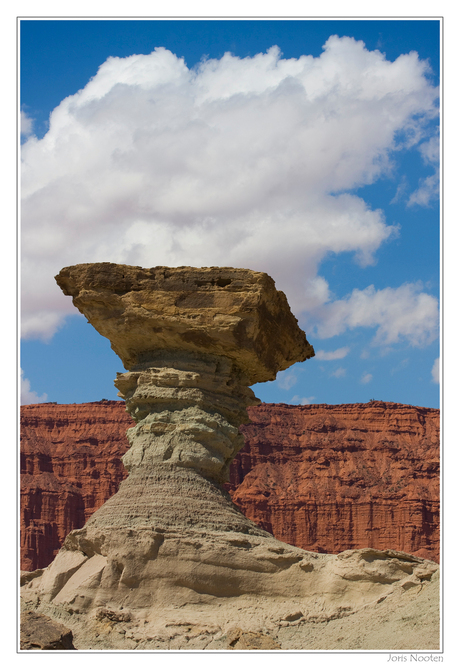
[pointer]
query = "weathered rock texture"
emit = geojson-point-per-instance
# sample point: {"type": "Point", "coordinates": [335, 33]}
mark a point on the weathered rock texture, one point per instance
{"type": "Point", "coordinates": [239, 639]}
{"type": "Point", "coordinates": [359, 599]}
{"type": "Point", "coordinates": [300, 475]}
{"type": "Point", "coordinates": [327, 477]}
{"type": "Point", "coordinates": [71, 463]}
{"type": "Point", "coordinates": [170, 543]}
{"type": "Point", "coordinates": [38, 631]}
{"type": "Point", "coordinates": [234, 313]}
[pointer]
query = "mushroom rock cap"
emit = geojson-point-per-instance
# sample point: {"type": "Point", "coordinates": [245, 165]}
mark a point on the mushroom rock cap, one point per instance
{"type": "Point", "coordinates": [229, 312]}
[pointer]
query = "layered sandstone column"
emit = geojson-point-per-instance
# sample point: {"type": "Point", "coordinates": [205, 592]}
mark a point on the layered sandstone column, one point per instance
{"type": "Point", "coordinates": [193, 341]}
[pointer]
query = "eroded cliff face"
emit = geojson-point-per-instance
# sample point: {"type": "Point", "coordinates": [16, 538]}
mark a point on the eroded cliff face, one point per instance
{"type": "Point", "coordinates": [334, 477]}
{"type": "Point", "coordinates": [322, 477]}
{"type": "Point", "coordinates": [70, 465]}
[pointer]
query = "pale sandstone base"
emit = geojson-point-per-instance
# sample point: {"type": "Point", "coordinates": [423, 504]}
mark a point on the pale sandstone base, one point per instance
{"type": "Point", "coordinates": [191, 593]}
{"type": "Point", "coordinates": [169, 562]}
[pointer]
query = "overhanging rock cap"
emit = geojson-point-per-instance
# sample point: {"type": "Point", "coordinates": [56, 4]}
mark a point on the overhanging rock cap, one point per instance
{"type": "Point", "coordinates": [230, 312]}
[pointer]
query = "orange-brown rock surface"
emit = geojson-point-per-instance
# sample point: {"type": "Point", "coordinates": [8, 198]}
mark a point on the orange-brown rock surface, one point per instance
{"type": "Point", "coordinates": [230, 312]}
{"type": "Point", "coordinates": [70, 465]}
{"type": "Point", "coordinates": [322, 477]}
{"type": "Point", "coordinates": [334, 477]}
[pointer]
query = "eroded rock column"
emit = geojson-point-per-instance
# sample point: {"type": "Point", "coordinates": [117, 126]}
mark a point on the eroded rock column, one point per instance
{"type": "Point", "coordinates": [192, 341]}
{"type": "Point", "coordinates": [188, 408]}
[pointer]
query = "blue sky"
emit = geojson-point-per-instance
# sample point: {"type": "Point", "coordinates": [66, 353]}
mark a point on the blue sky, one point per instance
{"type": "Point", "coordinates": [316, 163]}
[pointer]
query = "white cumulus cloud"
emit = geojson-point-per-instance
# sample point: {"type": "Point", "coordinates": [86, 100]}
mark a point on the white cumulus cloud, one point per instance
{"type": "Point", "coordinates": [26, 124]}
{"type": "Point", "coordinates": [286, 380]}
{"type": "Point", "coordinates": [29, 397]}
{"type": "Point", "coordinates": [426, 192]}
{"type": "Point", "coordinates": [428, 188]}
{"type": "Point", "coordinates": [366, 378]}
{"type": "Point", "coordinates": [243, 162]}
{"type": "Point", "coordinates": [399, 313]}
{"type": "Point", "coordinates": [332, 355]}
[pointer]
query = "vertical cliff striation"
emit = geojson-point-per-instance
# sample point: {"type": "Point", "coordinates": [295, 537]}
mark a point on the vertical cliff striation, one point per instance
{"type": "Point", "coordinates": [331, 477]}
{"type": "Point", "coordinates": [321, 477]}
{"type": "Point", "coordinates": [70, 465]}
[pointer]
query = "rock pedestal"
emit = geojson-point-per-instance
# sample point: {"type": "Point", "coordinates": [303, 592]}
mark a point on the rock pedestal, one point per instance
{"type": "Point", "coordinates": [193, 341]}
{"type": "Point", "coordinates": [188, 408]}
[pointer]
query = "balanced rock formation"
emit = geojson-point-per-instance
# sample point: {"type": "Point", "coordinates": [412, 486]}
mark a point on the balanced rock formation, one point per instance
{"type": "Point", "coordinates": [170, 543]}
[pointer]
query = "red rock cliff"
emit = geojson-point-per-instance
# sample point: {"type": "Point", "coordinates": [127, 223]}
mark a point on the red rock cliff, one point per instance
{"type": "Point", "coordinates": [322, 477]}
{"type": "Point", "coordinates": [70, 465]}
{"type": "Point", "coordinates": [335, 477]}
